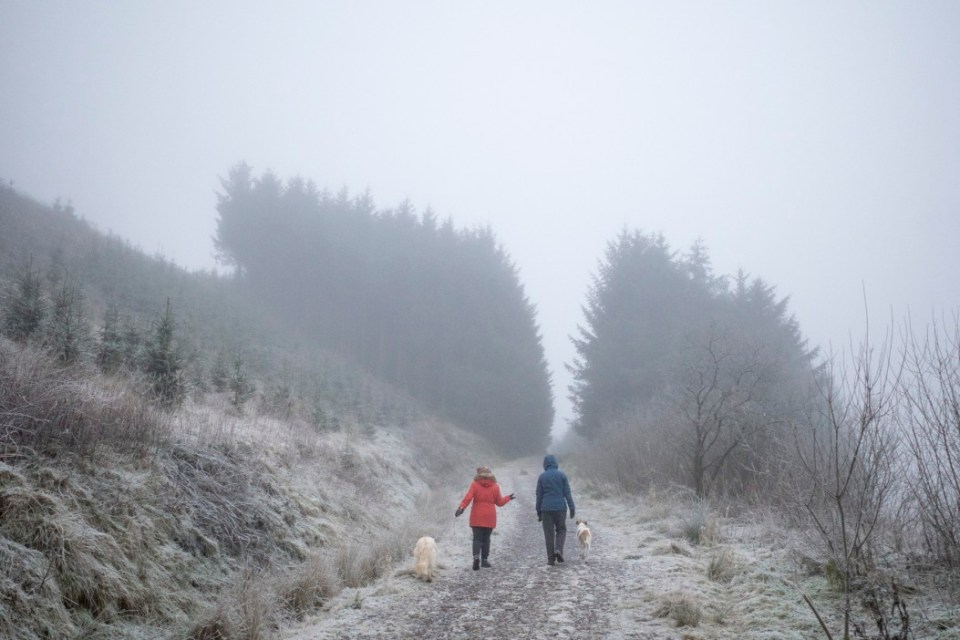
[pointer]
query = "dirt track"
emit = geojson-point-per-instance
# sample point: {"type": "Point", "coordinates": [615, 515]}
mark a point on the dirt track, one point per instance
{"type": "Point", "coordinates": [639, 565]}
{"type": "Point", "coordinates": [521, 597]}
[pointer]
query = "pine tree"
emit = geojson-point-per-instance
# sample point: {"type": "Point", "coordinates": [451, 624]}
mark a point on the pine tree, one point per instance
{"type": "Point", "coordinates": [240, 387]}
{"type": "Point", "coordinates": [219, 376]}
{"type": "Point", "coordinates": [110, 345]}
{"type": "Point", "coordinates": [163, 364]}
{"type": "Point", "coordinates": [67, 332]}
{"type": "Point", "coordinates": [26, 312]}
{"type": "Point", "coordinates": [132, 345]}
{"type": "Point", "coordinates": [636, 309]}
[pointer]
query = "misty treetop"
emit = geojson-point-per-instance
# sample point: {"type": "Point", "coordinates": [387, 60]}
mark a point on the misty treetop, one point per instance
{"type": "Point", "coordinates": [437, 311]}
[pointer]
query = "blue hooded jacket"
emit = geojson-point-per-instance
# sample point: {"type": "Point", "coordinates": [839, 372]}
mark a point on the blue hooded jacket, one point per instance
{"type": "Point", "coordinates": [553, 488]}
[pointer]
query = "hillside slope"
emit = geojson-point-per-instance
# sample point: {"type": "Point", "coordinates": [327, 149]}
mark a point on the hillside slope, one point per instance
{"type": "Point", "coordinates": [210, 515]}
{"type": "Point", "coordinates": [219, 516]}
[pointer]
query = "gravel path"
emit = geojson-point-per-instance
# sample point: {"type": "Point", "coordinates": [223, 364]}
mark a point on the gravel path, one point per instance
{"type": "Point", "coordinates": [520, 597]}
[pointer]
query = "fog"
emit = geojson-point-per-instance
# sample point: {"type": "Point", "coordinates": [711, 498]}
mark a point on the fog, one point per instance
{"type": "Point", "coordinates": [814, 144]}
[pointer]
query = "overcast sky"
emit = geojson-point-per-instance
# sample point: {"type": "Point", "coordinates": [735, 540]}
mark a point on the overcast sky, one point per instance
{"type": "Point", "coordinates": [815, 144]}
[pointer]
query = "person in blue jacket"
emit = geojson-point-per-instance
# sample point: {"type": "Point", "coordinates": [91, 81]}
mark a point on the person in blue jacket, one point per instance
{"type": "Point", "coordinates": [553, 498]}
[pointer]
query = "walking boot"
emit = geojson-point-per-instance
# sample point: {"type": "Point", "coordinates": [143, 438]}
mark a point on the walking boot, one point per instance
{"type": "Point", "coordinates": [485, 564]}
{"type": "Point", "coordinates": [476, 564]}
{"type": "Point", "coordinates": [559, 557]}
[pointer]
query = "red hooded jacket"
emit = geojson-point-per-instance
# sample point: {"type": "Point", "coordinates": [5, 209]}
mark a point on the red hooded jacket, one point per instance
{"type": "Point", "coordinates": [484, 492]}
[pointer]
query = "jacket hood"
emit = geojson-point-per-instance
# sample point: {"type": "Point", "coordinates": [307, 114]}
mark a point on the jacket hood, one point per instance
{"type": "Point", "coordinates": [549, 461]}
{"type": "Point", "coordinates": [484, 474]}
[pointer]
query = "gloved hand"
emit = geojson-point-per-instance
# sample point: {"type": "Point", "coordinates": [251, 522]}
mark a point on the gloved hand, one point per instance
{"type": "Point", "coordinates": [572, 511]}
{"type": "Point", "coordinates": [539, 517]}
{"type": "Point", "coordinates": [458, 513]}
{"type": "Point", "coordinates": [512, 496]}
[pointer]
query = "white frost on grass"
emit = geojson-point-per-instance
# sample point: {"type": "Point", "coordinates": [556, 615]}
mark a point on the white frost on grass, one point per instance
{"type": "Point", "coordinates": [641, 573]}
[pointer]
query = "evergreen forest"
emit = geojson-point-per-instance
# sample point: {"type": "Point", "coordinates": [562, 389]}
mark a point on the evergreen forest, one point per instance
{"type": "Point", "coordinates": [359, 303]}
{"type": "Point", "coordinates": [436, 311]}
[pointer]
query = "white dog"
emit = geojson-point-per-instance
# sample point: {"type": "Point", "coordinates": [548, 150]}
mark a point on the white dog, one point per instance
{"type": "Point", "coordinates": [584, 538]}
{"type": "Point", "coordinates": [425, 559]}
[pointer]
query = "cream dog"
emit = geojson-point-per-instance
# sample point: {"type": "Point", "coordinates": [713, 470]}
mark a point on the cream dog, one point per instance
{"type": "Point", "coordinates": [584, 537]}
{"type": "Point", "coordinates": [425, 559]}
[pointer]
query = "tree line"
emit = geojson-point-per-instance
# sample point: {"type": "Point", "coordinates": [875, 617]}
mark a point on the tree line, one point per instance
{"type": "Point", "coordinates": [435, 310]}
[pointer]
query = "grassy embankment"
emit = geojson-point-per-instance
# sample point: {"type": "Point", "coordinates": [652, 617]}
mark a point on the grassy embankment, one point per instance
{"type": "Point", "coordinates": [118, 519]}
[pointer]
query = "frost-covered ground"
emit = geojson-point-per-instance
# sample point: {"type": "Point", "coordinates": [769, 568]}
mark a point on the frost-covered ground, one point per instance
{"type": "Point", "coordinates": [641, 579]}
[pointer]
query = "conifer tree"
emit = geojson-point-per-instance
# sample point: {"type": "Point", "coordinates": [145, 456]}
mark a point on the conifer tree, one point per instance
{"type": "Point", "coordinates": [132, 345]}
{"type": "Point", "coordinates": [636, 308]}
{"type": "Point", "coordinates": [27, 310]}
{"type": "Point", "coordinates": [67, 332]}
{"type": "Point", "coordinates": [219, 376]}
{"type": "Point", "coordinates": [240, 387]}
{"type": "Point", "coordinates": [110, 345]}
{"type": "Point", "coordinates": [163, 364]}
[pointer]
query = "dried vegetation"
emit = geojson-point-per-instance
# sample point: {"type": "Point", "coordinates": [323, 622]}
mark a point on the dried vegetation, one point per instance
{"type": "Point", "coordinates": [118, 519]}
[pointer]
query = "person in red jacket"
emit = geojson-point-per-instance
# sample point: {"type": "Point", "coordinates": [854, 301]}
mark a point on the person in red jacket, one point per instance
{"type": "Point", "coordinates": [484, 492]}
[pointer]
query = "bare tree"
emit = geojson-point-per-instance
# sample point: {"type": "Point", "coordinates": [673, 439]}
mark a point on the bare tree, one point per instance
{"type": "Point", "coordinates": [847, 462]}
{"type": "Point", "coordinates": [932, 425]}
{"type": "Point", "coordinates": [716, 403]}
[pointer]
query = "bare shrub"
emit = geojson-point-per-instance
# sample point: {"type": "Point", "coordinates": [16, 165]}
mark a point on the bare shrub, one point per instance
{"type": "Point", "coordinates": [682, 608]}
{"type": "Point", "coordinates": [633, 451]}
{"type": "Point", "coordinates": [47, 408]}
{"type": "Point", "coordinates": [884, 603]}
{"type": "Point", "coordinates": [848, 464]}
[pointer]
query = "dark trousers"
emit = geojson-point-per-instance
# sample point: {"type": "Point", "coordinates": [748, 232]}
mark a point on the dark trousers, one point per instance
{"type": "Point", "coordinates": [554, 532]}
{"type": "Point", "coordinates": [481, 542]}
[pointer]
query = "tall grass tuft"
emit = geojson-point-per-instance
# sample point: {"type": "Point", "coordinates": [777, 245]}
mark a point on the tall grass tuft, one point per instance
{"type": "Point", "coordinates": [723, 566]}
{"type": "Point", "coordinates": [700, 525]}
{"type": "Point", "coordinates": [308, 586]}
{"type": "Point", "coordinates": [681, 608]}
